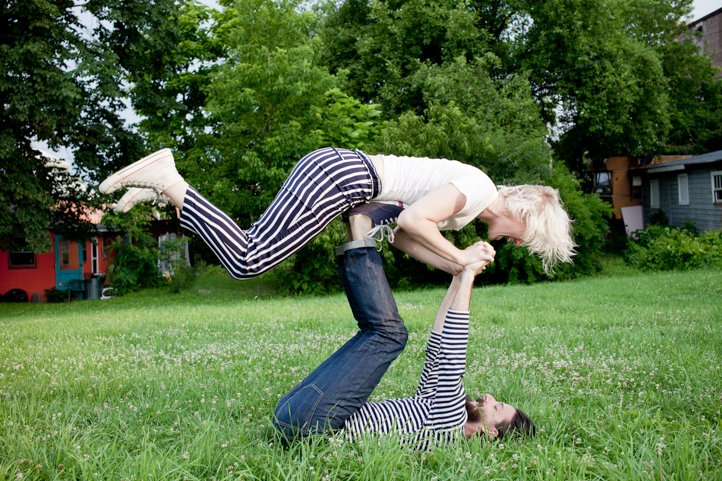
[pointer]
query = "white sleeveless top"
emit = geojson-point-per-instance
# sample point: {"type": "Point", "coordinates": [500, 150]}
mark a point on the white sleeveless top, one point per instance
{"type": "Point", "coordinates": [407, 179]}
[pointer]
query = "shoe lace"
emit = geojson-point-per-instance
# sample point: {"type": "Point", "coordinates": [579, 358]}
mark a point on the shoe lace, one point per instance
{"type": "Point", "coordinates": [380, 232]}
{"type": "Point", "coordinates": [142, 184]}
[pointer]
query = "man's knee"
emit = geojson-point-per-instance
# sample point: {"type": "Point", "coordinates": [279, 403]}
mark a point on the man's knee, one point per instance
{"type": "Point", "coordinates": [403, 336]}
{"type": "Point", "coordinates": [398, 335]}
{"type": "Point", "coordinates": [285, 428]}
{"type": "Point", "coordinates": [285, 423]}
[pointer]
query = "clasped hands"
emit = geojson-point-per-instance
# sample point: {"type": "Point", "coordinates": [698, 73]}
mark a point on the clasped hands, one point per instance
{"type": "Point", "coordinates": [477, 256]}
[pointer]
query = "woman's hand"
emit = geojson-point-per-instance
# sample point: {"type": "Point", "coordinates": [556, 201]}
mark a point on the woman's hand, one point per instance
{"type": "Point", "coordinates": [478, 256]}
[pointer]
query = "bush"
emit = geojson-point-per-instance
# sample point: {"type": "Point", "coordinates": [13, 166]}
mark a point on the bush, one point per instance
{"type": "Point", "coordinates": [174, 266]}
{"type": "Point", "coordinates": [55, 295]}
{"type": "Point", "coordinates": [135, 265]}
{"type": "Point", "coordinates": [313, 270]}
{"type": "Point", "coordinates": [670, 248]}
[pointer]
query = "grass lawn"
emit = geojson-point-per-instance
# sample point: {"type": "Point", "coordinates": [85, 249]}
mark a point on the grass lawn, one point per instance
{"type": "Point", "coordinates": [622, 373]}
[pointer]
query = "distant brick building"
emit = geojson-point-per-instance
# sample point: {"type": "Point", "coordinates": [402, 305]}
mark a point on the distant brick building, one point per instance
{"type": "Point", "coordinates": [707, 34]}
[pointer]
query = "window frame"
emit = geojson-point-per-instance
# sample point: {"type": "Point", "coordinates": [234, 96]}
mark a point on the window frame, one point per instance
{"type": "Point", "coordinates": [606, 189]}
{"type": "Point", "coordinates": [683, 187]}
{"type": "Point", "coordinates": [12, 265]}
{"type": "Point", "coordinates": [713, 174]}
{"type": "Point", "coordinates": [654, 193]}
{"type": "Point", "coordinates": [64, 253]}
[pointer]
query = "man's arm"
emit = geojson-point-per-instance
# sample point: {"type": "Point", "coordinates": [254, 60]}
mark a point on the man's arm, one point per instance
{"type": "Point", "coordinates": [458, 296]}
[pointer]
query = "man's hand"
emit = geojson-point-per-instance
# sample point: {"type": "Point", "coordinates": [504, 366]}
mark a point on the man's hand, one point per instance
{"type": "Point", "coordinates": [459, 294]}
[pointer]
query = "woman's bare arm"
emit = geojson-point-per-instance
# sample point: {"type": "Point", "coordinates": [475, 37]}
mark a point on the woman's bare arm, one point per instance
{"type": "Point", "coordinates": [419, 222]}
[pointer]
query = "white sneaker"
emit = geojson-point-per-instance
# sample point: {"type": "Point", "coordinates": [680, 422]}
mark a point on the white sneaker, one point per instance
{"type": "Point", "coordinates": [156, 171]}
{"type": "Point", "coordinates": [136, 195]}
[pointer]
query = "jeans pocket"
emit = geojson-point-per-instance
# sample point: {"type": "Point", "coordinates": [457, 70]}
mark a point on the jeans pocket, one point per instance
{"type": "Point", "coordinates": [294, 414]}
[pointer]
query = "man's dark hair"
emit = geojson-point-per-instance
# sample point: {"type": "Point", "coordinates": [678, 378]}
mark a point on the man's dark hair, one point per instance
{"type": "Point", "coordinates": [520, 425]}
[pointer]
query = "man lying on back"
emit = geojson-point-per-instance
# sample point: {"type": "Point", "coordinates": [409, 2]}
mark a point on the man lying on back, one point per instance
{"type": "Point", "coordinates": [334, 396]}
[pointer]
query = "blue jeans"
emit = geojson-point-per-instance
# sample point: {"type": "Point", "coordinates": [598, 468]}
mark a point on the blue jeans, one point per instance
{"type": "Point", "coordinates": [338, 388]}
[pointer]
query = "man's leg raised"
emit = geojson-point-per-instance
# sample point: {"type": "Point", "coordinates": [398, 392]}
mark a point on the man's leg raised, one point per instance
{"type": "Point", "coordinates": [338, 388]}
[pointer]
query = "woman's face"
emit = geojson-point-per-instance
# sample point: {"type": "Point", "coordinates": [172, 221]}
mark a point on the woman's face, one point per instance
{"type": "Point", "coordinates": [509, 228]}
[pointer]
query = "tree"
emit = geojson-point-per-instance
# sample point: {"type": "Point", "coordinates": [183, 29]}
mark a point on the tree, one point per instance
{"type": "Point", "coordinates": [64, 83]}
{"type": "Point", "coordinates": [620, 77]}
{"type": "Point", "coordinates": [382, 44]}
{"type": "Point", "coordinates": [473, 118]}
{"type": "Point", "coordinates": [695, 96]}
{"type": "Point", "coordinates": [169, 68]}
{"type": "Point", "coordinates": [596, 70]}
{"type": "Point", "coordinates": [446, 76]}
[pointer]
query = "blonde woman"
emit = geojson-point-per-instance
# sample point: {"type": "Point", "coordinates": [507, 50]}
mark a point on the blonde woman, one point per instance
{"type": "Point", "coordinates": [423, 196]}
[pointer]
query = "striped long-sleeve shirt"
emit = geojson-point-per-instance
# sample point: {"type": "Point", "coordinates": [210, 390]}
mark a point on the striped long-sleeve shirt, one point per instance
{"type": "Point", "coordinates": [436, 413]}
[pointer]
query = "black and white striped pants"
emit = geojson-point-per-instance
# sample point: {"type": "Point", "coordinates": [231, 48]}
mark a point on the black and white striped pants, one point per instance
{"type": "Point", "coordinates": [322, 185]}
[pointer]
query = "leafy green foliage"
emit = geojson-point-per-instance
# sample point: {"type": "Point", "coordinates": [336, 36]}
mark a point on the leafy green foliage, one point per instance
{"type": "Point", "coordinates": [695, 99]}
{"type": "Point", "coordinates": [134, 266]}
{"type": "Point", "coordinates": [171, 255]}
{"type": "Point", "coordinates": [381, 45]}
{"type": "Point", "coordinates": [472, 118]}
{"type": "Point", "coordinates": [597, 61]}
{"type": "Point", "coordinates": [264, 100]}
{"type": "Point", "coordinates": [135, 253]}
{"type": "Point", "coordinates": [664, 248]}
{"type": "Point", "coordinates": [170, 66]}
{"type": "Point", "coordinates": [62, 83]}
{"type": "Point", "coordinates": [347, 122]}
{"type": "Point", "coordinates": [313, 270]}
{"type": "Point", "coordinates": [54, 295]}
{"type": "Point", "coordinates": [271, 103]}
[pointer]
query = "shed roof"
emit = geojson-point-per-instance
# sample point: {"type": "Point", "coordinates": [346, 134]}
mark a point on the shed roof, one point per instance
{"type": "Point", "coordinates": [707, 158]}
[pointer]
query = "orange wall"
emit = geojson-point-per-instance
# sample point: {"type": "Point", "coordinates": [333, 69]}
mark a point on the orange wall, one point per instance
{"type": "Point", "coordinates": [36, 280]}
{"type": "Point", "coordinates": [621, 183]}
{"type": "Point", "coordinates": [33, 280]}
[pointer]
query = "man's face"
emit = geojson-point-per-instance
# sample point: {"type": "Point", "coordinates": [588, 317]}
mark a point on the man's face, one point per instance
{"type": "Point", "coordinates": [493, 412]}
{"type": "Point", "coordinates": [509, 228]}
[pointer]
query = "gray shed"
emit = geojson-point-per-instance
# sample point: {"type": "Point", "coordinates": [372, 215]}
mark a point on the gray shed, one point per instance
{"type": "Point", "coordinates": [686, 190]}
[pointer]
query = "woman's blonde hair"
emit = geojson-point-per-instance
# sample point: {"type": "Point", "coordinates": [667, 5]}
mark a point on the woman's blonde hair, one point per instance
{"type": "Point", "coordinates": [548, 230]}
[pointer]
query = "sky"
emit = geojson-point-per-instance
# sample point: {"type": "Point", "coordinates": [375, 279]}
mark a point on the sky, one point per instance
{"type": "Point", "coordinates": [703, 7]}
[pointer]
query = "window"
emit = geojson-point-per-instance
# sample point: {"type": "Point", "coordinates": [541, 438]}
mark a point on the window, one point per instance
{"type": "Point", "coordinates": [94, 255]}
{"type": "Point", "coordinates": [70, 255]}
{"type": "Point", "coordinates": [683, 189]}
{"type": "Point", "coordinates": [654, 193]}
{"type": "Point", "coordinates": [22, 260]}
{"type": "Point", "coordinates": [603, 183]}
{"type": "Point", "coordinates": [64, 253]}
{"type": "Point", "coordinates": [717, 187]}
{"type": "Point", "coordinates": [636, 192]}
